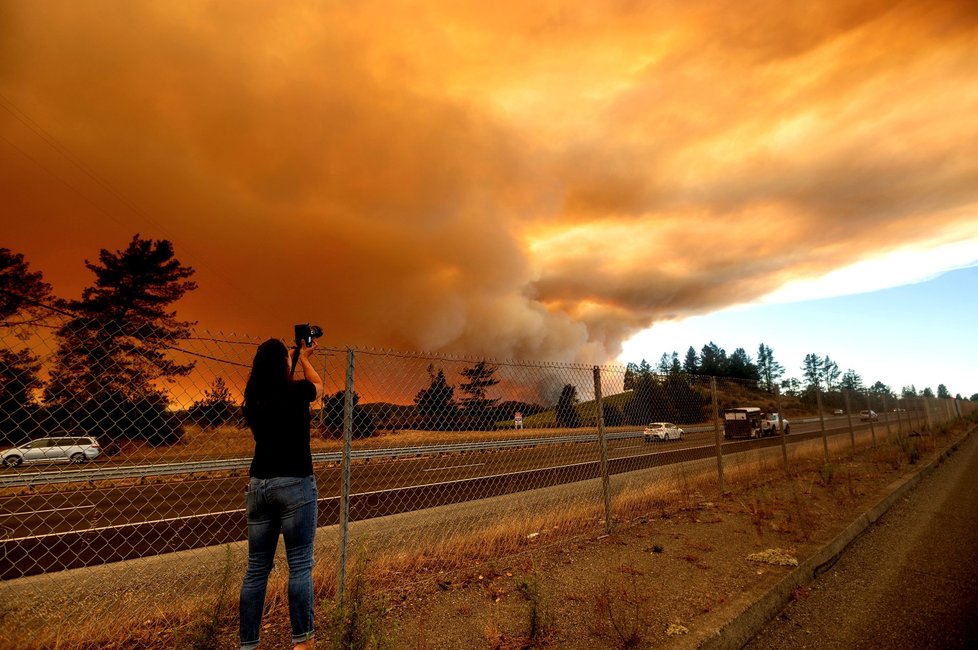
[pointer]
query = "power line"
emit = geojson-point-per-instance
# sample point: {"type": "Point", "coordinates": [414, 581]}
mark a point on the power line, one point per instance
{"type": "Point", "coordinates": [53, 142]}
{"type": "Point", "coordinates": [69, 314]}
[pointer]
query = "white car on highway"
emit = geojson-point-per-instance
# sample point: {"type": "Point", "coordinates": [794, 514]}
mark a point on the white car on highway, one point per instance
{"type": "Point", "coordinates": [663, 431]}
{"type": "Point", "coordinates": [61, 449]}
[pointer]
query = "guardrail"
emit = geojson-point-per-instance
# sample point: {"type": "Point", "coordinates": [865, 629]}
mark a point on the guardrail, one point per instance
{"type": "Point", "coordinates": [227, 464]}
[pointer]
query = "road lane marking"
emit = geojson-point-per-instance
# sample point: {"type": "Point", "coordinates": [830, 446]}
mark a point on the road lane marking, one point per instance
{"type": "Point", "coordinates": [438, 469]}
{"type": "Point", "coordinates": [41, 512]}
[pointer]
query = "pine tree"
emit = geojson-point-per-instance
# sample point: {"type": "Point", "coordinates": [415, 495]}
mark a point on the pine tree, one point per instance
{"type": "Point", "coordinates": [713, 360]}
{"type": "Point", "coordinates": [115, 348]}
{"type": "Point", "coordinates": [216, 408]}
{"type": "Point", "coordinates": [741, 366]}
{"type": "Point", "coordinates": [476, 405]}
{"type": "Point", "coordinates": [851, 380]}
{"type": "Point", "coordinates": [22, 292]}
{"type": "Point", "coordinates": [769, 369]}
{"type": "Point", "coordinates": [20, 288]}
{"type": "Point", "coordinates": [116, 345]}
{"type": "Point", "coordinates": [811, 371]}
{"type": "Point", "coordinates": [566, 411]}
{"type": "Point", "coordinates": [436, 403]}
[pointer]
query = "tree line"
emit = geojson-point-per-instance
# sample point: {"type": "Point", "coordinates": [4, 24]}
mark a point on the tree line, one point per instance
{"type": "Point", "coordinates": [818, 373]}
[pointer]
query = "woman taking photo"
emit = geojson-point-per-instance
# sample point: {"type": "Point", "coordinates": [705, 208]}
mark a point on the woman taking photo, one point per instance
{"type": "Point", "coordinates": [281, 496]}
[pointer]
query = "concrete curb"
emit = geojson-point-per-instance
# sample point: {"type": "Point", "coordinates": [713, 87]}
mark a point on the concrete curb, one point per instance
{"type": "Point", "coordinates": [743, 628]}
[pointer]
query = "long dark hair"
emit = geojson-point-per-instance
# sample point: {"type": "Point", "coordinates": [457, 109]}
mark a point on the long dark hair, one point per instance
{"type": "Point", "coordinates": [269, 376]}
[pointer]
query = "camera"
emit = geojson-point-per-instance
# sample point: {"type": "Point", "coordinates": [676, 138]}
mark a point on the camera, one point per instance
{"type": "Point", "coordinates": [306, 332]}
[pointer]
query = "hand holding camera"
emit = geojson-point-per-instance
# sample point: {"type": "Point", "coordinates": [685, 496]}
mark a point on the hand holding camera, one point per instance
{"type": "Point", "coordinates": [306, 333]}
{"type": "Point", "coordinates": [305, 341]}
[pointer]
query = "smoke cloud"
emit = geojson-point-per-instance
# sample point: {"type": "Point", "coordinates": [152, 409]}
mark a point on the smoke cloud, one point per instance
{"type": "Point", "coordinates": [510, 181]}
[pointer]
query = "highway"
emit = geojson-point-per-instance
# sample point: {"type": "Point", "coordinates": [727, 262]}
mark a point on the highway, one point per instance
{"type": "Point", "coordinates": [97, 523]}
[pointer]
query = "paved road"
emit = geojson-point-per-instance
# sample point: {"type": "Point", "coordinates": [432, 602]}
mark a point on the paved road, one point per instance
{"type": "Point", "coordinates": [51, 532]}
{"type": "Point", "coordinates": [909, 582]}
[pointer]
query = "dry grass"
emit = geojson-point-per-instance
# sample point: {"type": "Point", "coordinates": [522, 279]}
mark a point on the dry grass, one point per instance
{"type": "Point", "coordinates": [777, 505]}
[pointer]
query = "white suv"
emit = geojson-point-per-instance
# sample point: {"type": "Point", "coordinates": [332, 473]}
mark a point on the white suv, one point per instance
{"type": "Point", "coordinates": [61, 449]}
{"type": "Point", "coordinates": [769, 424]}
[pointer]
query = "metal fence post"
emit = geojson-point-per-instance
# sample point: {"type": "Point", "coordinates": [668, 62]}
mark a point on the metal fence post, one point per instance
{"type": "Point", "coordinates": [889, 430]}
{"type": "Point", "coordinates": [716, 433]}
{"type": "Point", "coordinates": [784, 442]}
{"type": "Point", "coordinates": [928, 406]}
{"type": "Point", "coordinates": [852, 432]}
{"type": "Point", "coordinates": [603, 444]}
{"type": "Point", "coordinates": [872, 427]}
{"type": "Point", "coordinates": [345, 488]}
{"type": "Point", "coordinates": [821, 419]}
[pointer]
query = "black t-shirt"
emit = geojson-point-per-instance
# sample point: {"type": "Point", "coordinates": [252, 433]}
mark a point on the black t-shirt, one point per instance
{"type": "Point", "coordinates": [281, 431]}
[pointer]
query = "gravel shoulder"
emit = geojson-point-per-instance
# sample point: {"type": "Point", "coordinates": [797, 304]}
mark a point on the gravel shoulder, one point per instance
{"type": "Point", "coordinates": [910, 582]}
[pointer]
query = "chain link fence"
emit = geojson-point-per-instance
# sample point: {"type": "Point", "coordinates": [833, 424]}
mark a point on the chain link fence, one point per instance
{"type": "Point", "coordinates": [125, 464]}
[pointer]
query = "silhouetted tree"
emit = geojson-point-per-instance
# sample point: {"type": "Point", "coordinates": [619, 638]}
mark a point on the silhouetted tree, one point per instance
{"type": "Point", "coordinates": [18, 381]}
{"type": "Point", "coordinates": [879, 388]}
{"type": "Point", "coordinates": [647, 401]}
{"type": "Point", "coordinates": [631, 371]}
{"type": "Point", "coordinates": [436, 403]}
{"type": "Point", "coordinates": [476, 405]}
{"type": "Point", "coordinates": [682, 404]}
{"type": "Point", "coordinates": [334, 407]}
{"type": "Point", "coordinates": [741, 366]}
{"type": "Point", "coordinates": [769, 369]}
{"type": "Point", "coordinates": [943, 392]}
{"type": "Point", "coordinates": [830, 373]}
{"type": "Point", "coordinates": [216, 408]}
{"type": "Point", "coordinates": [22, 292]}
{"type": "Point", "coordinates": [811, 371]}
{"type": "Point", "coordinates": [691, 362]}
{"type": "Point", "coordinates": [644, 369]}
{"type": "Point", "coordinates": [20, 288]}
{"type": "Point", "coordinates": [713, 360]}
{"type": "Point", "coordinates": [669, 364]}
{"type": "Point", "coordinates": [115, 346]}
{"type": "Point", "coordinates": [566, 411]}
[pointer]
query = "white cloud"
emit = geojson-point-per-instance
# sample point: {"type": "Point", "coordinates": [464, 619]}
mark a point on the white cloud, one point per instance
{"type": "Point", "coordinates": [894, 269]}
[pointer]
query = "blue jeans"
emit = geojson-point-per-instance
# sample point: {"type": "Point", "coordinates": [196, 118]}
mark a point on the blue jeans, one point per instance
{"type": "Point", "coordinates": [287, 505]}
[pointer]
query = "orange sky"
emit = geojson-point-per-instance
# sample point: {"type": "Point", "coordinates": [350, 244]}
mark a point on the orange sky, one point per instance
{"type": "Point", "coordinates": [486, 178]}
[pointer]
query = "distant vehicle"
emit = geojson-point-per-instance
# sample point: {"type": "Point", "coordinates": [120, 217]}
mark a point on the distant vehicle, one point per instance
{"type": "Point", "coordinates": [838, 412]}
{"type": "Point", "coordinates": [868, 415]}
{"type": "Point", "coordinates": [769, 424]}
{"type": "Point", "coordinates": [60, 449]}
{"type": "Point", "coordinates": [742, 422]}
{"type": "Point", "coordinates": [663, 431]}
